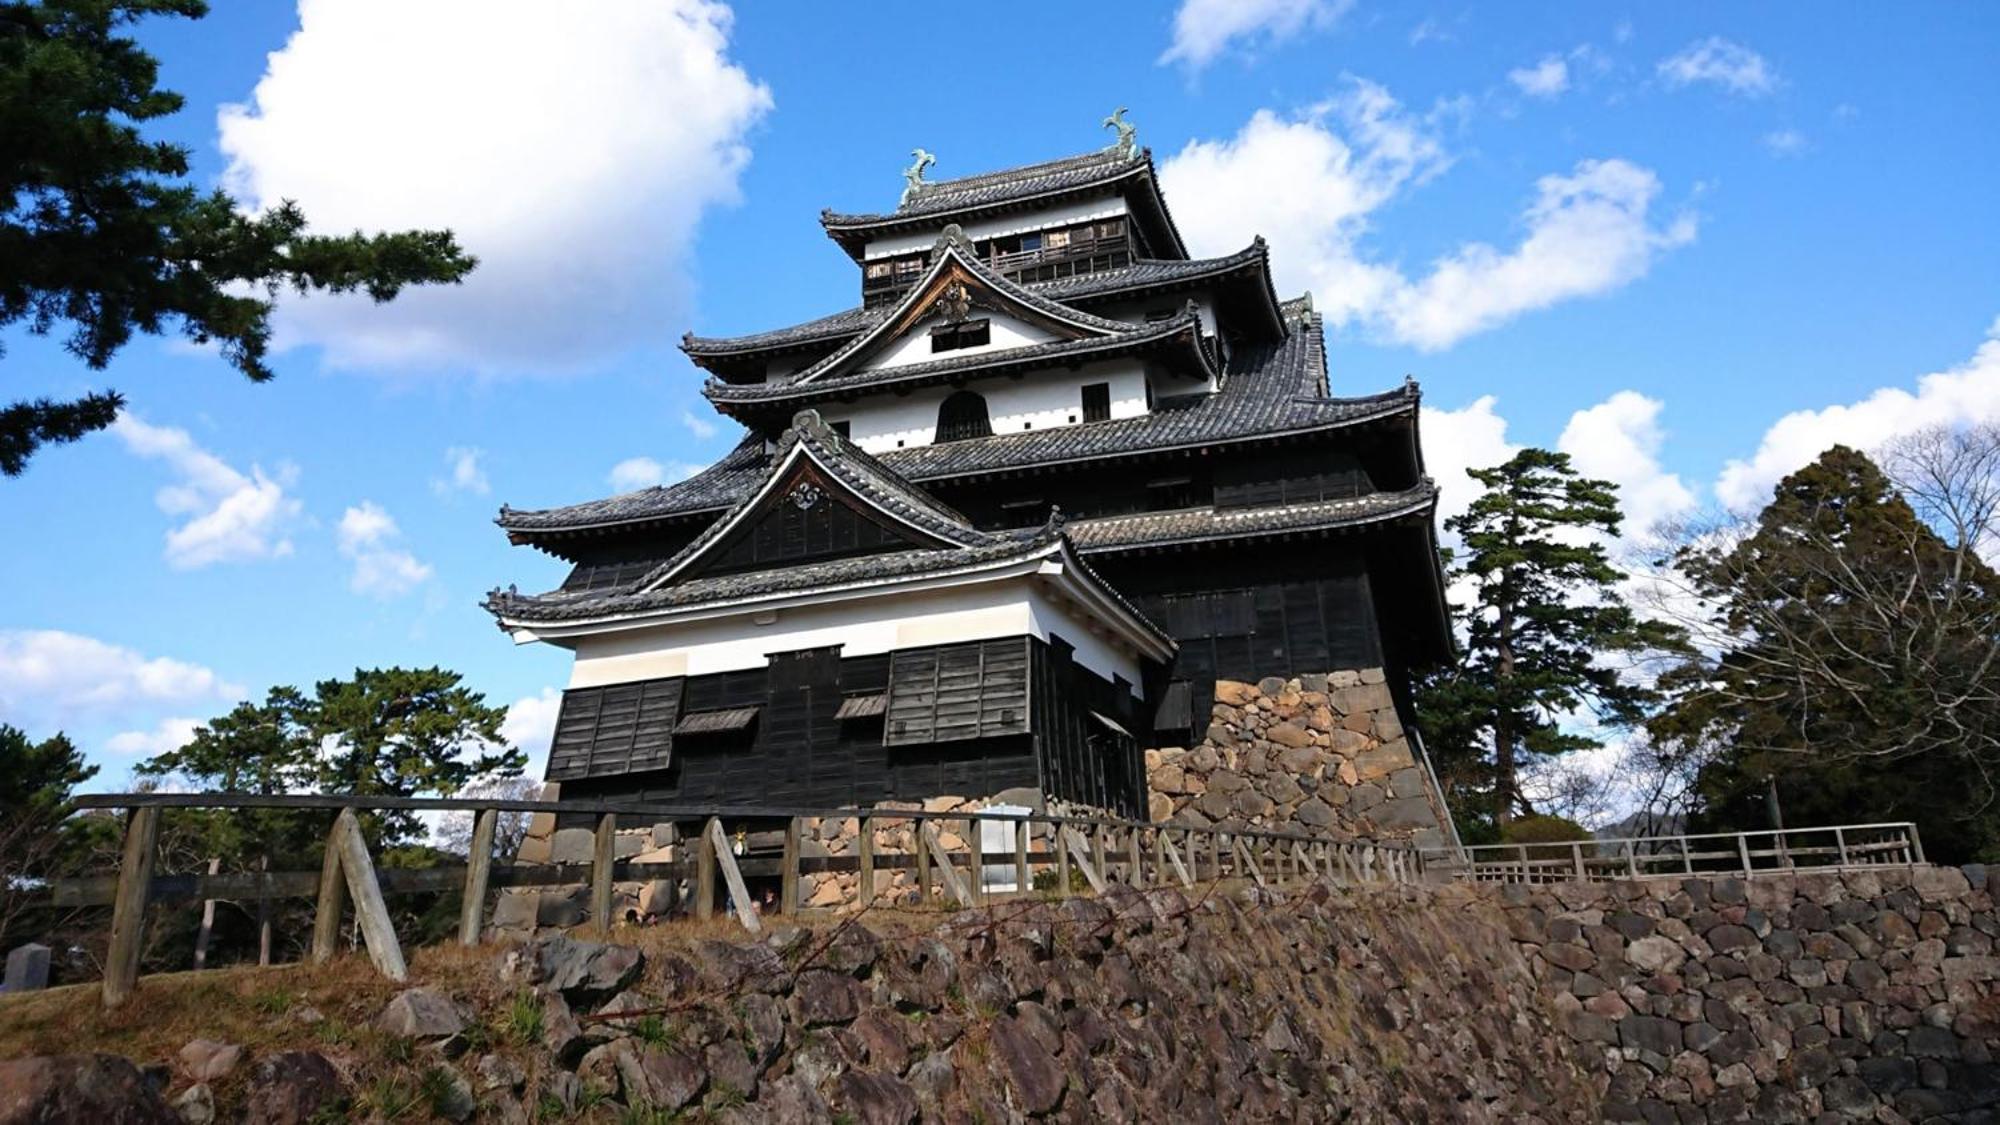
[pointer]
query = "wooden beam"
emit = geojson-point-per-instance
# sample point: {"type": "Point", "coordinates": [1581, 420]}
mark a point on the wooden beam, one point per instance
{"type": "Point", "coordinates": [788, 875]}
{"type": "Point", "coordinates": [478, 873]}
{"type": "Point", "coordinates": [1079, 853]}
{"type": "Point", "coordinates": [1174, 858]}
{"type": "Point", "coordinates": [128, 913]}
{"type": "Point", "coordinates": [378, 932]}
{"type": "Point", "coordinates": [332, 899]}
{"type": "Point", "coordinates": [865, 844]}
{"type": "Point", "coordinates": [1248, 856]}
{"type": "Point", "coordinates": [704, 867]}
{"type": "Point", "coordinates": [603, 858]}
{"type": "Point", "coordinates": [949, 878]}
{"type": "Point", "coordinates": [1135, 875]}
{"type": "Point", "coordinates": [746, 911]}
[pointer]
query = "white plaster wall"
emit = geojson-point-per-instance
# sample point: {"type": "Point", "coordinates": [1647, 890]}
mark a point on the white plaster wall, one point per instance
{"type": "Point", "coordinates": [1038, 401]}
{"type": "Point", "coordinates": [862, 627]}
{"type": "Point", "coordinates": [1084, 210]}
{"type": "Point", "coordinates": [915, 346]}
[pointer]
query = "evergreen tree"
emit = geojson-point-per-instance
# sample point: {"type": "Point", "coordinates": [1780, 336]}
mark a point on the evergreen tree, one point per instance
{"type": "Point", "coordinates": [99, 231]}
{"type": "Point", "coordinates": [1853, 667]}
{"type": "Point", "coordinates": [1545, 608]}
{"type": "Point", "coordinates": [39, 839]}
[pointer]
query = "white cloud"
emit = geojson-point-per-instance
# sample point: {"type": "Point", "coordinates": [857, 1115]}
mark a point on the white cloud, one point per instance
{"type": "Point", "coordinates": [1732, 66]}
{"type": "Point", "coordinates": [1471, 437]}
{"type": "Point", "coordinates": [49, 677]}
{"type": "Point", "coordinates": [635, 473]}
{"type": "Point", "coordinates": [1969, 392]}
{"type": "Point", "coordinates": [1619, 440]}
{"type": "Point", "coordinates": [700, 427]}
{"type": "Point", "coordinates": [530, 724]}
{"type": "Point", "coordinates": [1785, 142]}
{"type": "Point", "coordinates": [1430, 31]}
{"type": "Point", "coordinates": [229, 517]}
{"type": "Point", "coordinates": [382, 567]}
{"type": "Point", "coordinates": [1546, 79]}
{"type": "Point", "coordinates": [166, 736]}
{"type": "Point", "coordinates": [1204, 29]}
{"type": "Point", "coordinates": [1313, 183]}
{"type": "Point", "coordinates": [465, 473]}
{"type": "Point", "coordinates": [574, 154]}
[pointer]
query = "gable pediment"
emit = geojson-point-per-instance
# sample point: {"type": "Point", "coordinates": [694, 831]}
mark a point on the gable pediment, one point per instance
{"type": "Point", "coordinates": [958, 289]}
{"type": "Point", "coordinates": [822, 499]}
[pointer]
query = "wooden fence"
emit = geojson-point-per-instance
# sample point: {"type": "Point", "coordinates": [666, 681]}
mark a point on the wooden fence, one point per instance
{"type": "Point", "coordinates": [1101, 851]}
{"type": "Point", "coordinates": [1767, 852]}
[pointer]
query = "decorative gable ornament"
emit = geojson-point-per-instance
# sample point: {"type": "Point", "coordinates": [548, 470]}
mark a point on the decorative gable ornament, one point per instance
{"type": "Point", "coordinates": [954, 304]}
{"type": "Point", "coordinates": [805, 495]}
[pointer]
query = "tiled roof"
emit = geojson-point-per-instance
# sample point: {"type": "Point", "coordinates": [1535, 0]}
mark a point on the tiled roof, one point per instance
{"type": "Point", "coordinates": [574, 605]}
{"type": "Point", "coordinates": [1268, 390]}
{"type": "Point", "coordinates": [937, 370]}
{"type": "Point", "coordinates": [1143, 274]}
{"type": "Point", "coordinates": [859, 472]}
{"type": "Point", "coordinates": [1006, 186]}
{"type": "Point", "coordinates": [1195, 525]}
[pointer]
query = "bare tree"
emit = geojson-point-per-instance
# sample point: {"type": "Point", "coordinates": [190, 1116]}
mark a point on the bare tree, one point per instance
{"type": "Point", "coordinates": [454, 829]}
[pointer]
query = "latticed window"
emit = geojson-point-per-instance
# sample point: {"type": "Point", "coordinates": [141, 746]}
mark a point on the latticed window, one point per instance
{"type": "Point", "coordinates": [962, 416]}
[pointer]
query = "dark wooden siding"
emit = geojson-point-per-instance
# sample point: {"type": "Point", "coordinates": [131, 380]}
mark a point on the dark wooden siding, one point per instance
{"type": "Point", "coordinates": [951, 693]}
{"type": "Point", "coordinates": [615, 729]}
{"type": "Point", "coordinates": [799, 753]}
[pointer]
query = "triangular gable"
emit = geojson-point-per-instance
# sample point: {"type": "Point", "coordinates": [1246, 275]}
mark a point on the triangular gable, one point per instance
{"type": "Point", "coordinates": [957, 283]}
{"type": "Point", "coordinates": [822, 498]}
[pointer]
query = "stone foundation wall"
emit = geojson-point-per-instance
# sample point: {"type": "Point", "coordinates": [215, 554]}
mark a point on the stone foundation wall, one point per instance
{"type": "Point", "coordinates": [1868, 996]}
{"type": "Point", "coordinates": [1316, 753]}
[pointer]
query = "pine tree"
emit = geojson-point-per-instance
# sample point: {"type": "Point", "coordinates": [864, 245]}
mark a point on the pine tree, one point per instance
{"type": "Point", "coordinates": [100, 233]}
{"type": "Point", "coordinates": [1546, 609]}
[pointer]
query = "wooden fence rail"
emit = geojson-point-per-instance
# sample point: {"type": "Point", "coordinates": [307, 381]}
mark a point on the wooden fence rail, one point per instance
{"type": "Point", "coordinates": [1766, 852]}
{"type": "Point", "coordinates": [1102, 851]}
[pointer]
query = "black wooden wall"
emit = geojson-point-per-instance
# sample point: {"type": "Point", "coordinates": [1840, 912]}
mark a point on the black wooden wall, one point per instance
{"type": "Point", "coordinates": [799, 754]}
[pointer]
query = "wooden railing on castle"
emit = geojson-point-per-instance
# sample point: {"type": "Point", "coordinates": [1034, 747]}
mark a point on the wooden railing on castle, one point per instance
{"type": "Point", "coordinates": [1843, 847]}
{"type": "Point", "coordinates": [1101, 851]}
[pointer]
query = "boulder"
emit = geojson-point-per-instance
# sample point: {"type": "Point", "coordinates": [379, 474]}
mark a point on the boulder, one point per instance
{"type": "Point", "coordinates": [871, 1098]}
{"type": "Point", "coordinates": [1025, 1066]}
{"type": "Point", "coordinates": [452, 1097]}
{"type": "Point", "coordinates": [656, 1077]}
{"type": "Point", "coordinates": [82, 1089]}
{"type": "Point", "coordinates": [585, 968]}
{"type": "Point", "coordinates": [418, 1013]}
{"type": "Point", "coordinates": [205, 1060]}
{"type": "Point", "coordinates": [196, 1105]}
{"type": "Point", "coordinates": [293, 1088]}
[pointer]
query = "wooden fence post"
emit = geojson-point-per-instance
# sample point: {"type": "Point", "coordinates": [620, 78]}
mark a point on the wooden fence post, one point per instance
{"type": "Point", "coordinates": [788, 875]}
{"type": "Point", "coordinates": [704, 867]}
{"type": "Point", "coordinates": [201, 935]}
{"type": "Point", "coordinates": [725, 859]}
{"type": "Point", "coordinates": [332, 899]}
{"type": "Point", "coordinates": [377, 930]}
{"type": "Point", "coordinates": [1101, 855]}
{"type": "Point", "coordinates": [478, 872]}
{"type": "Point", "coordinates": [1136, 877]}
{"type": "Point", "coordinates": [975, 872]}
{"type": "Point", "coordinates": [1056, 829]}
{"type": "Point", "coordinates": [865, 846]}
{"type": "Point", "coordinates": [947, 877]}
{"type": "Point", "coordinates": [603, 855]}
{"type": "Point", "coordinates": [128, 908]}
{"type": "Point", "coordinates": [1023, 881]}
{"type": "Point", "coordinates": [1092, 874]}
{"type": "Point", "coordinates": [921, 833]}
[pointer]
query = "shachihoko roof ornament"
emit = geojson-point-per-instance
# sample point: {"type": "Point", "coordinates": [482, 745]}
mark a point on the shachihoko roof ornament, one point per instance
{"type": "Point", "coordinates": [913, 176]}
{"type": "Point", "coordinates": [1127, 144]}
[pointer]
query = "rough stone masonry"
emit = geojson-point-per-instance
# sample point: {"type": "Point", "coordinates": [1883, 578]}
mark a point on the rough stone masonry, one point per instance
{"type": "Point", "coordinates": [1324, 754]}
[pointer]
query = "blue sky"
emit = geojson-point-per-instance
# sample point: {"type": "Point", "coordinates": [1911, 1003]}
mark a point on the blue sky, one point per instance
{"type": "Point", "coordinates": [1690, 244]}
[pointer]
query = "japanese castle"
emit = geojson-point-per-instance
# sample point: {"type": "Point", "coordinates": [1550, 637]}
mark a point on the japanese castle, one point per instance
{"type": "Point", "coordinates": [1000, 527]}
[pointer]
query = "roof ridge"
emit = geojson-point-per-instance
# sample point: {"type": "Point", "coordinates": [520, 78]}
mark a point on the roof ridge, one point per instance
{"type": "Point", "coordinates": [1022, 171]}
